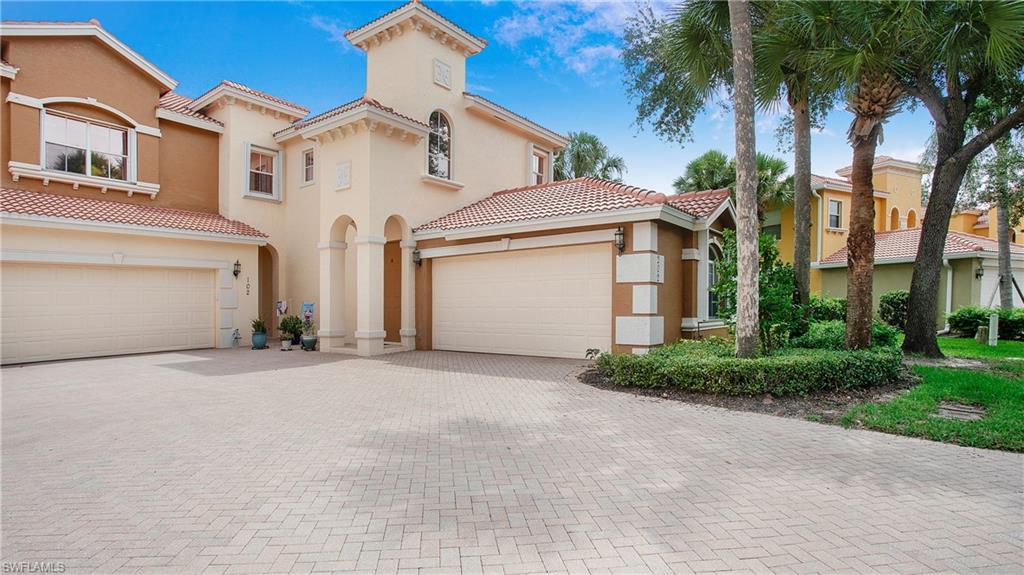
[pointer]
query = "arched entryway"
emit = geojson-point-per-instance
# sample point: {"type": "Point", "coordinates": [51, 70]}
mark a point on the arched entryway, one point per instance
{"type": "Point", "coordinates": [338, 285]}
{"type": "Point", "coordinates": [894, 219]}
{"type": "Point", "coordinates": [267, 286]}
{"type": "Point", "coordinates": [395, 233]}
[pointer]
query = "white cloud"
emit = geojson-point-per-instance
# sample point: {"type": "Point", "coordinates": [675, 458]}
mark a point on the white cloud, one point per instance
{"type": "Point", "coordinates": [823, 131]}
{"type": "Point", "coordinates": [478, 88]}
{"type": "Point", "coordinates": [335, 30]}
{"type": "Point", "coordinates": [582, 35]}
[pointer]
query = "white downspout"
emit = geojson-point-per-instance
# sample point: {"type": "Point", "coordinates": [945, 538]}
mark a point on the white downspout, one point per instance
{"type": "Point", "coordinates": [814, 192]}
{"type": "Point", "coordinates": [949, 295]}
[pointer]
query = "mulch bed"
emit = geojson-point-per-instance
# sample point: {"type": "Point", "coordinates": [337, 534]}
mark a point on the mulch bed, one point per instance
{"type": "Point", "coordinates": [825, 406]}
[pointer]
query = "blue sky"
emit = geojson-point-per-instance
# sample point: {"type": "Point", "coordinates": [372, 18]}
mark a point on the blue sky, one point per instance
{"type": "Point", "coordinates": [557, 63]}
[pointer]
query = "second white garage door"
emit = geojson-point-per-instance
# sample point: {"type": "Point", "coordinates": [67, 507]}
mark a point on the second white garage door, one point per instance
{"type": "Point", "coordinates": [64, 311]}
{"type": "Point", "coordinates": [552, 302]}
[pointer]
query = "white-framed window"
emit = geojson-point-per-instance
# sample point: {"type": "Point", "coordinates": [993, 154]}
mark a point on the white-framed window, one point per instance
{"type": "Point", "coordinates": [308, 166]}
{"type": "Point", "coordinates": [439, 147]}
{"type": "Point", "coordinates": [835, 214]}
{"type": "Point", "coordinates": [263, 172]}
{"type": "Point", "coordinates": [714, 257]}
{"type": "Point", "coordinates": [539, 167]}
{"type": "Point", "coordinates": [84, 146]}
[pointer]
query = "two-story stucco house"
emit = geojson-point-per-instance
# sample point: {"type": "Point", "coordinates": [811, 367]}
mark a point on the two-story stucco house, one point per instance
{"type": "Point", "coordinates": [418, 216]}
{"type": "Point", "coordinates": [970, 266]}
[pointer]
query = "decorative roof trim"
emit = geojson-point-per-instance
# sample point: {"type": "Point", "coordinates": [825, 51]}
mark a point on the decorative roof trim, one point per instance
{"type": "Point", "coordinates": [91, 28]}
{"type": "Point", "coordinates": [484, 106]}
{"type": "Point", "coordinates": [172, 116]}
{"type": "Point", "coordinates": [20, 170]}
{"type": "Point", "coordinates": [251, 96]}
{"type": "Point", "coordinates": [347, 124]}
{"type": "Point", "coordinates": [440, 28]}
{"type": "Point", "coordinates": [11, 218]}
{"type": "Point", "coordinates": [835, 185]}
{"type": "Point", "coordinates": [886, 163]}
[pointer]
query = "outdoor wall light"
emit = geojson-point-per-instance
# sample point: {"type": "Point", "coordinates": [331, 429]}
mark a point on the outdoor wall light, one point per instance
{"type": "Point", "coordinates": [978, 273]}
{"type": "Point", "coordinates": [238, 268]}
{"type": "Point", "coordinates": [620, 239]}
{"type": "Point", "coordinates": [416, 257]}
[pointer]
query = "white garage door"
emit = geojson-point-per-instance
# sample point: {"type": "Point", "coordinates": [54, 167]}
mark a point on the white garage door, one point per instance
{"type": "Point", "coordinates": [63, 311]}
{"type": "Point", "coordinates": [552, 302]}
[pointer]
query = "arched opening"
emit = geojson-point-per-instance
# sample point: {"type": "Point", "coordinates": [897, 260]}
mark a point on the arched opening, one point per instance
{"type": "Point", "coordinates": [911, 219]}
{"type": "Point", "coordinates": [267, 286]}
{"type": "Point", "coordinates": [338, 292]}
{"type": "Point", "coordinates": [714, 259]}
{"type": "Point", "coordinates": [394, 233]}
{"type": "Point", "coordinates": [439, 149]}
{"type": "Point", "coordinates": [894, 219]}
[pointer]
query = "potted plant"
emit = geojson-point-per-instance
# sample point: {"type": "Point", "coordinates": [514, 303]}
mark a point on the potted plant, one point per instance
{"type": "Point", "coordinates": [291, 331]}
{"type": "Point", "coordinates": [309, 335]}
{"type": "Point", "coordinates": [259, 334]}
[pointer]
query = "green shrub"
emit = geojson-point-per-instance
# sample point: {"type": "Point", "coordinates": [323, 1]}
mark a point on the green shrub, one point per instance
{"type": "Point", "coordinates": [965, 321]}
{"type": "Point", "coordinates": [778, 316]}
{"type": "Point", "coordinates": [892, 307]}
{"type": "Point", "coordinates": [786, 372]}
{"type": "Point", "coordinates": [832, 335]}
{"type": "Point", "coordinates": [827, 308]}
{"type": "Point", "coordinates": [291, 324]}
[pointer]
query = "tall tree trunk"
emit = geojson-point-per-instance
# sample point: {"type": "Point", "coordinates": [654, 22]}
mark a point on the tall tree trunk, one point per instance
{"type": "Point", "coordinates": [860, 244]}
{"type": "Point", "coordinates": [747, 297]}
{"type": "Point", "coordinates": [919, 334]}
{"type": "Point", "coordinates": [801, 199]}
{"type": "Point", "coordinates": [1003, 228]}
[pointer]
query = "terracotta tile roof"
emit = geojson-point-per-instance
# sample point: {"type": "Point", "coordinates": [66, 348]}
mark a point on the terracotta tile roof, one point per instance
{"type": "Point", "coordinates": [902, 244]}
{"type": "Point", "coordinates": [425, 7]}
{"type": "Point", "coordinates": [256, 93]}
{"type": "Point", "coordinates": [25, 202]}
{"type": "Point", "coordinates": [565, 198]}
{"type": "Point", "coordinates": [349, 106]}
{"type": "Point", "coordinates": [183, 105]}
{"type": "Point", "coordinates": [816, 179]}
{"type": "Point", "coordinates": [520, 116]}
{"type": "Point", "coordinates": [699, 204]}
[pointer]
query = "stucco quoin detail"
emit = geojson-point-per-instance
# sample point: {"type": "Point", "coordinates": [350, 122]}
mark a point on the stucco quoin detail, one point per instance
{"type": "Point", "coordinates": [645, 330]}
{"type": "Point", "coordinates": [640, 268]}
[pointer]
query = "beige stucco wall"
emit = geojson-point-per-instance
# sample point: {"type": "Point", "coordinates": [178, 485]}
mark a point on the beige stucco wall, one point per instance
{"type": "Point", "coordinates": [236, 298]}
{"type": "Point", "coordinates": [890, 277]}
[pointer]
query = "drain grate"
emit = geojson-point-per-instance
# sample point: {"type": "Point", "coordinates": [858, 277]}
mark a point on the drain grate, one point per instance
{"type": "Point", "coordinates": [959, 411]}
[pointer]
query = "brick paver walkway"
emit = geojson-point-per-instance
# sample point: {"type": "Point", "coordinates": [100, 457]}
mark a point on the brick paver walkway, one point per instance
{"type": "Point", "coordinates": [240, 461]}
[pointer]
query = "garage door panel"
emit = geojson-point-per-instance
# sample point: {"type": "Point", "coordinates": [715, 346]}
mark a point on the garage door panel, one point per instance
{"type": "Point", "coordinates": [56, 312]}
{"type": "Point", "coordinates": [550, 302]}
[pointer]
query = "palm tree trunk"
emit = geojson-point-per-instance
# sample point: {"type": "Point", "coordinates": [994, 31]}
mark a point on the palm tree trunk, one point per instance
{"type": "Point", "coordinates": [860, 245]}
{"type": "Point", "coordinates": [747, 297]}
{"type": "Point", "coordinates": [801, 199]}
{"type": "Point", "coordinates": [1003, 228]}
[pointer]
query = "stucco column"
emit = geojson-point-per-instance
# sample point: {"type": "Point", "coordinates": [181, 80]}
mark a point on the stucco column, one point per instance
{"type": "Point", "coordinates": [408, 330]}
{"type": "Point", "coordinates": [332, 295]}
{"type": "Point", "coordinates": [370, 294]}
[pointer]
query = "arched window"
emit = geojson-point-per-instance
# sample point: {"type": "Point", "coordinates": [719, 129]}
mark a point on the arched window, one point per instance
{"type": "Point", "coordinates": [894, 220]}
{"type": "Point", "coordinates": [714, 257]}
{"type": "Point", "coordinates": [911, 219]}
{"type": "Point", "coordinates": [439, 152]}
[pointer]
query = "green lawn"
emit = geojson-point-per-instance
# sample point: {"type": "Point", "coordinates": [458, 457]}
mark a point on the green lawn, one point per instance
{"type": "Point", "coordinates": [1006, 356]}
{"type": "Point", "coordinates": [912, 413]}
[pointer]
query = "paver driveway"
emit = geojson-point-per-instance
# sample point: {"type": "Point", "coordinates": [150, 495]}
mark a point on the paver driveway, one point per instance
{"type": "Point", "coordinates": [240, 461]}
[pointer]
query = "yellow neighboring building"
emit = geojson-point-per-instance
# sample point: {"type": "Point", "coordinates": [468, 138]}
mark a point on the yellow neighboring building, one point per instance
{"type": "Point", "coordinates": [983, 223]}
{"type": "Point", "coordinates": [897, 206]}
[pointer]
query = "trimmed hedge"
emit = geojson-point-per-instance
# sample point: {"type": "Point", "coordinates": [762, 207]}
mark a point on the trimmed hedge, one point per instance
{"type": "Point", "coordinates": [695, 367]}
{"type": "Point", "coordinates": [832, 335]}
{"type": "Point", "coordinates": [966, 320]}
{"type": "Point", "coordinates": [827, 308]}
{"type": "Point", "coordinates": [892, 307]}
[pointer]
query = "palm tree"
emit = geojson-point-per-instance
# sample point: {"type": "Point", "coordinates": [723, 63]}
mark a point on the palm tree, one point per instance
{"type": "Point", "coordinates": [712, 170]}
{"type": "Point", "coordinates": [587, 156]}
{"type": "Point", "coordinates": [786, 62]}
{"type": "Point", "coordinates": [869, 34]}
{"type": "Point", "coordinates": [746, 180]}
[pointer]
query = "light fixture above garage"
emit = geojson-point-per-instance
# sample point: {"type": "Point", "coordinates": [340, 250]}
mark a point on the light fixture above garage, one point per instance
{"type": "Point", "coordinates": [416, 257]}
{"type": "Point", "coordinates": [620, 239]}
